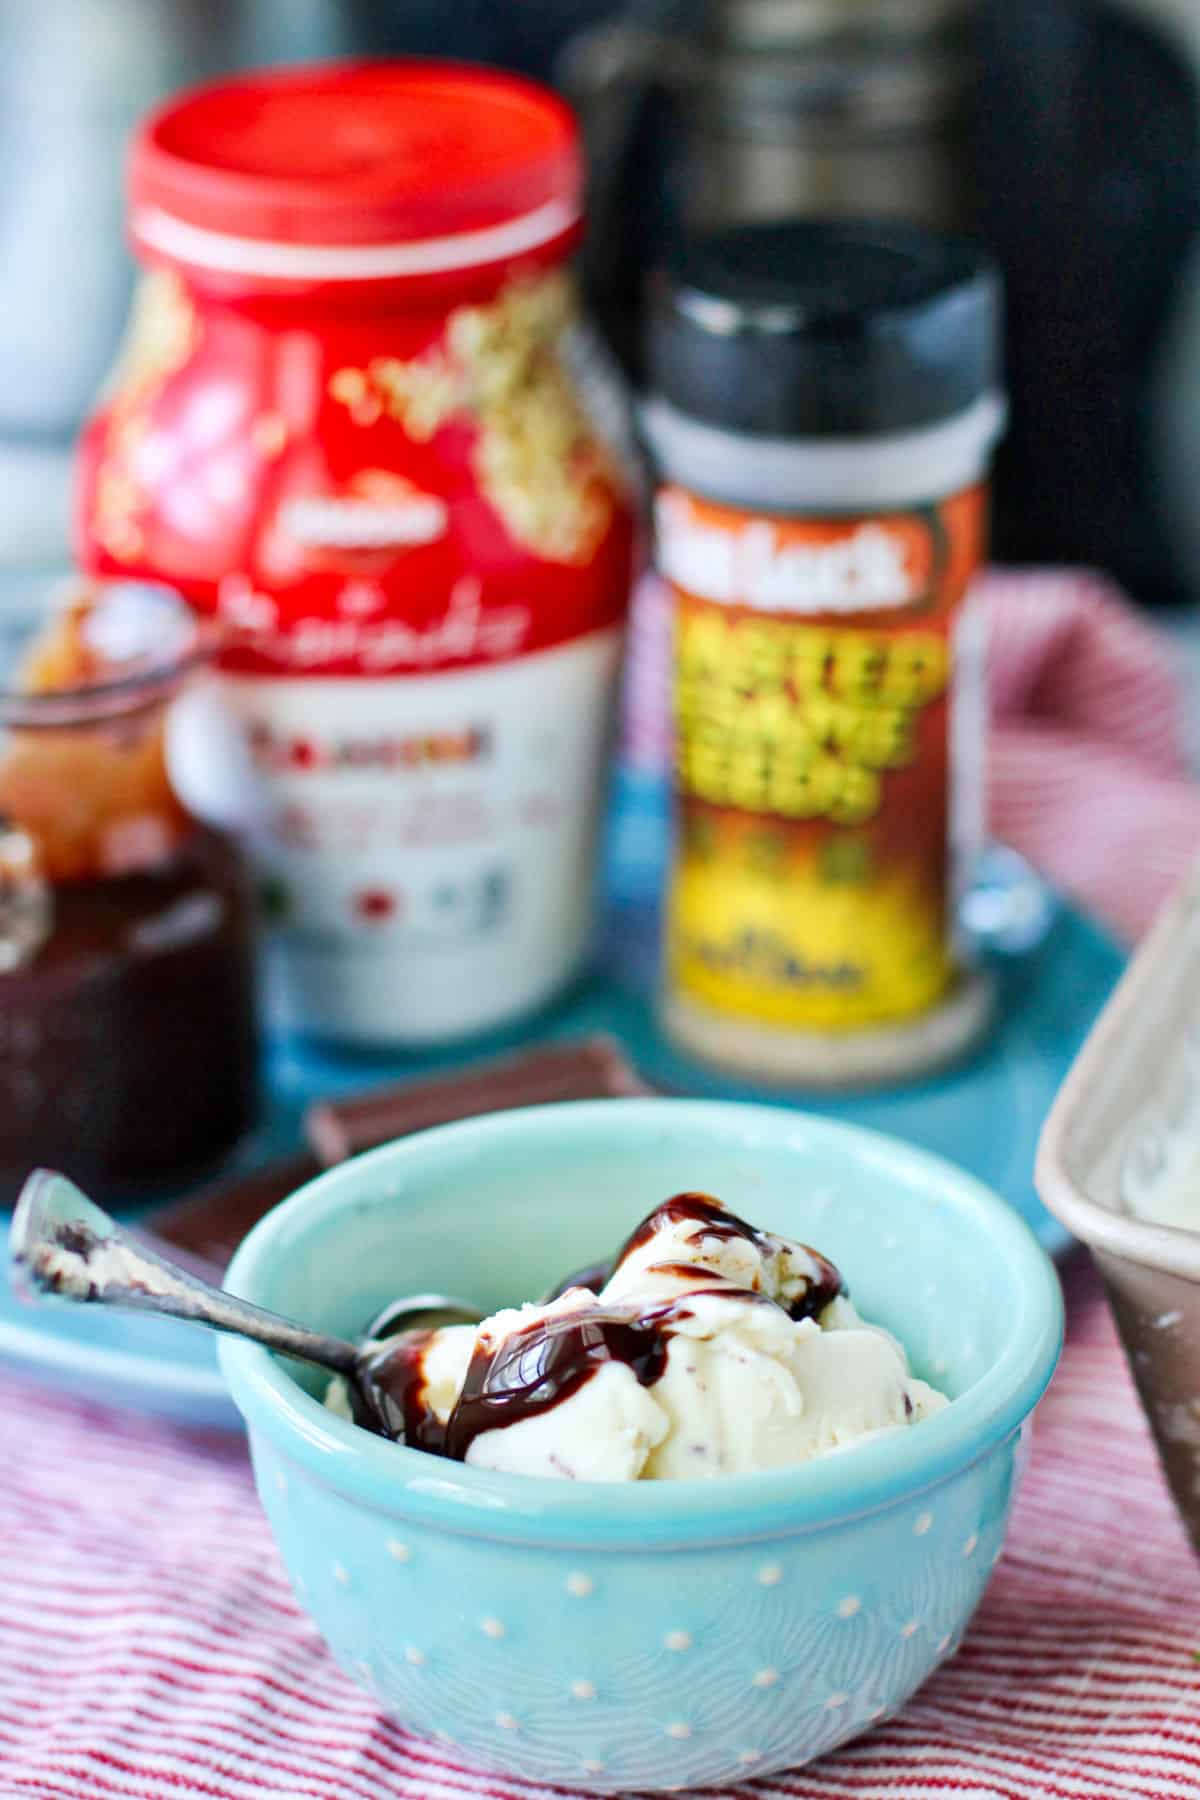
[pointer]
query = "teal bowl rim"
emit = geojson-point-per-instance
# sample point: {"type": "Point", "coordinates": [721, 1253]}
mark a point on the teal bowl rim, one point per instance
{"type": "Point", "coordinates": [453, 1496]}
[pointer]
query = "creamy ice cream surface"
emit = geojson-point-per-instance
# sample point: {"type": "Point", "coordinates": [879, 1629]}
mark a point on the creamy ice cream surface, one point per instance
{"type": "Point", "coordinates": [711, 1348]}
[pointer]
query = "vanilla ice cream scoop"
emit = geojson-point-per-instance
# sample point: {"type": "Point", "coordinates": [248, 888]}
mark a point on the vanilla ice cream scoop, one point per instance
{"type": "Point", "coordinates": [712, 1348]}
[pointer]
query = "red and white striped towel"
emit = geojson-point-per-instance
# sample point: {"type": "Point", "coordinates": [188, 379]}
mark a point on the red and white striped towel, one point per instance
{"type": "Point", "coordinates": [150, 1648]}
{"type": "Point", "coordinates": [149, 1645]}
{"type": "Point", "coordinates": [1087, 767]}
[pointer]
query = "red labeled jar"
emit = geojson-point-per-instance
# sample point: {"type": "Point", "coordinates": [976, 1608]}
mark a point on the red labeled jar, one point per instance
{"type": "Point", "coordinates": [347, 424]}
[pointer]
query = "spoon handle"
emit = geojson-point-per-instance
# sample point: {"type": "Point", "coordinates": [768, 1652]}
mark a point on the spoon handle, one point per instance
{"type": "Point", "coordinates": [63, 1244]}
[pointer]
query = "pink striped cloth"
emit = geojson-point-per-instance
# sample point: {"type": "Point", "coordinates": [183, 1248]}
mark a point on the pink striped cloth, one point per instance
{"type": "Point", "coordinates": [149, 1645]}
{"type": "Point", "coordinates": [150, 1648]}
{"type": "Point", "coordinates": [1088, 772]}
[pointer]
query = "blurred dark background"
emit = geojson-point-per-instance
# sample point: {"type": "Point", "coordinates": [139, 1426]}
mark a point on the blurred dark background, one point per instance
{"type": "Point", "coordinates": [1065, 132]}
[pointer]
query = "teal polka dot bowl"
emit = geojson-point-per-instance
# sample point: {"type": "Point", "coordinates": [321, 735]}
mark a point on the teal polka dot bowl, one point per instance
{"type": "Point", "coordinates": [647, 1635]}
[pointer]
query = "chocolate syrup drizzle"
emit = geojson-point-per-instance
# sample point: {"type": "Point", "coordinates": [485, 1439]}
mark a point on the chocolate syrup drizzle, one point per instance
{"type": "Point", "coordinates": [394, 1402]}
{"type": "Point", "coordinates": [535, 1368]}
{"type": "Point", "coordinates": [713, 1220]}
{"type": "Point", "coordinates": [547, 1361]}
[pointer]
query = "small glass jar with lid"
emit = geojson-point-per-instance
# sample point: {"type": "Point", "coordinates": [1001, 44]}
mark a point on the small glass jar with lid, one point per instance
{"type": "Point", "coordinates": [127, 1035]}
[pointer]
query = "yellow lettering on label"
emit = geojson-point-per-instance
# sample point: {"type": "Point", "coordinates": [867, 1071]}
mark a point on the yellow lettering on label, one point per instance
{"type": "Point", "coordinates": [798, 720]}
{"type": "Point", "coordinates": [859, 665]}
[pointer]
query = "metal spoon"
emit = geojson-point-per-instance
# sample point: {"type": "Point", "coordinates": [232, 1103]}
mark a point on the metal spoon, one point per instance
{"type": "Point", "coordinates": [63, 1244]}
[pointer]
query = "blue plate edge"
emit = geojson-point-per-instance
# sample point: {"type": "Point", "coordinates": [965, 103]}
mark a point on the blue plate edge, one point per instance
{"type": "Point", "coordinates": [192, 1392]}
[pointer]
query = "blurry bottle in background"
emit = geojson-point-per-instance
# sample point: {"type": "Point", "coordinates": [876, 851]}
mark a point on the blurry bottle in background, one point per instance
{"type": "Point", "coordinates": [74, 77]}
{"type": "Point", "coordinates": [816, 106]}
{"type": "Point", "coordinates": [1066, 133]}
{"type": "Point", "coordinates": [724, 111]}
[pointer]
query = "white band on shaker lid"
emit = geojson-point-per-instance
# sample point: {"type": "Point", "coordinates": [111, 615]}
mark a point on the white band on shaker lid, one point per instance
{"type": "Point", "coordinates": [825, 475]}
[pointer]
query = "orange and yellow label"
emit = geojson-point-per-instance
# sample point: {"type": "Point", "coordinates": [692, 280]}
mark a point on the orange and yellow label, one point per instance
{"type": "Point", "coordinates": [814, 671]}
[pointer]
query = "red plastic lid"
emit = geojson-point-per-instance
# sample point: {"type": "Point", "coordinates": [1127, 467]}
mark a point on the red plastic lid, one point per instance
{"type": "Point", "coordinates": [360, 169]}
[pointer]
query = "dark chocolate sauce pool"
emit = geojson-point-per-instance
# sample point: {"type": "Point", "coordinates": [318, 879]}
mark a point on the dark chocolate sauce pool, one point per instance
{"type": "Point", "coordinates": [393, 1403]}
{"type": "Point", "coordinates": [535, 1368]}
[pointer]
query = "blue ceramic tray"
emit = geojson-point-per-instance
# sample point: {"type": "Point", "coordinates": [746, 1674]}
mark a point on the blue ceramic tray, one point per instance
{"type": "Point", "coordinates": [985, 1114]}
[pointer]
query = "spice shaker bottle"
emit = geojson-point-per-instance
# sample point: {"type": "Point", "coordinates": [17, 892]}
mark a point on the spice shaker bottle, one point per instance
{"type": "Point", "coordinates": [825, 401]}
{"type": "Point", "coordinates": [348, 425]}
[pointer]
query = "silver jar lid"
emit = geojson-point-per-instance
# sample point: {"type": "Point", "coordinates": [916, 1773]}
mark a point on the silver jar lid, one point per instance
{"type": "Point", "coordinates": [803, 24]}
{"type": "Point", "coordinates": [805, 98]}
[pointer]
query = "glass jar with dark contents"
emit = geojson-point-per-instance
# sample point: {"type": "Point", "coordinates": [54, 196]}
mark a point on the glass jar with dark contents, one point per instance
{"type": "Point", "coordinates": [127, 1042]}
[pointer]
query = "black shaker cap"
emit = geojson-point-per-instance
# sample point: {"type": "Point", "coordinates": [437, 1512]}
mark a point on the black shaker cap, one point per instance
{"type": "Point", "coordinates": [824, 328]}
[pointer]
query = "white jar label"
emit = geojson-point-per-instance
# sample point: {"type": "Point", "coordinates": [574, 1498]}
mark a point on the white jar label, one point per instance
{"type": "Point", "coordinates": [426, 843]}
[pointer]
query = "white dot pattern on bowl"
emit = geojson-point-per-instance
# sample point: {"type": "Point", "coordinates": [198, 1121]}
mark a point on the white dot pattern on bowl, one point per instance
{"type": "Point", "coordinates": [971, 1545]}
{"type": "Point", "coordinates": [784, 1661]}
{"type": "Point", "coordinates": [341, 1574]}
{"type": "Point", "coordinates": [281, 1481]}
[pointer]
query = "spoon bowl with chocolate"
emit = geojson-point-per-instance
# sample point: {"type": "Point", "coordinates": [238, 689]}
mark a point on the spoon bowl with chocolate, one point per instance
{"type": "Point", "coordinates": [66, 1247]}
